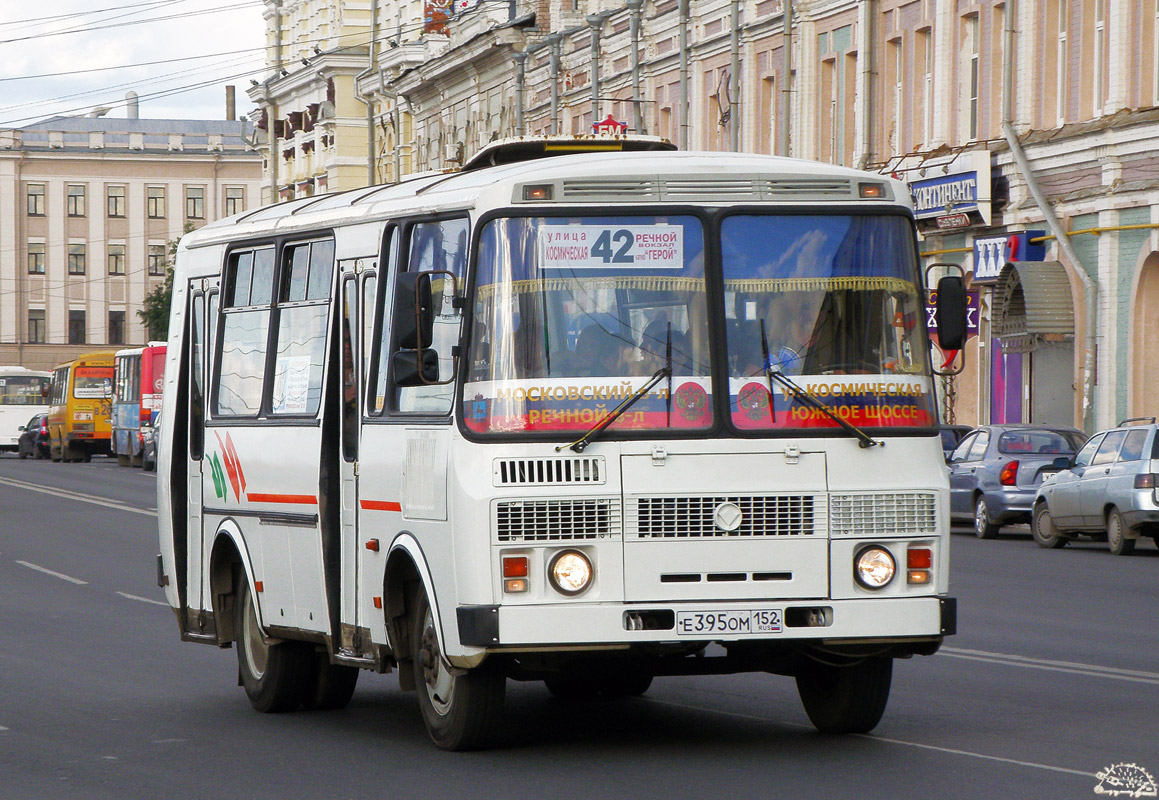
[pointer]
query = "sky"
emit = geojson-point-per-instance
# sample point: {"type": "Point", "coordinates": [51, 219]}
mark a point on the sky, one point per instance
{"type": "Point", "coordinates": [70, 57]}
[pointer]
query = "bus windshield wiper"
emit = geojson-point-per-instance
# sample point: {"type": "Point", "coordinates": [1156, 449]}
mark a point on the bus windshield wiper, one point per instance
{"type": "Point", "coordinates": [580, 444]}
{"type": "Point", "coordinates": [795, 392]}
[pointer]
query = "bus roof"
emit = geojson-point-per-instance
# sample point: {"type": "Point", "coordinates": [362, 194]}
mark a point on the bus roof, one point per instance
{"type": "Point", "coordinates": [599, 179]}
{"type": "Point", "coordinates": [36, 373]}
{"type": "Point", "coordinates": [99, 358]}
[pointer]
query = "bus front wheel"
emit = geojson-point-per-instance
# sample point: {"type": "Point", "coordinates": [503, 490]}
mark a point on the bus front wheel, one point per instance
{"type": "Point", "coordinates": [461, 708]}
{"type": "Point", "coordinates": [846, 699]}
{"type": "Point", "coordinates": [275, 676]}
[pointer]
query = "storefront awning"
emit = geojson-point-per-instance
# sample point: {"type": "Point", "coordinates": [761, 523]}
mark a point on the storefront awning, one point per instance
{"type": "Point", "coordinates": [1033, 305]}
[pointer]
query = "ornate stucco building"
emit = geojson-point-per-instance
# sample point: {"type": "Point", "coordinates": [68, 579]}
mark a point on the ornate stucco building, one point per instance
{"type": "Point", "coordinates": [88, 207]}
{"type": "Point", "coordinates": [1037, 116]}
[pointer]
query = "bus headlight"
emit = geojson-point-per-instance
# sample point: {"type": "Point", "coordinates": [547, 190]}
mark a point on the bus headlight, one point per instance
{"type": "Point", "coordinates": [874, 567]}
{"type": "Point", "coordinates": [570, 572]}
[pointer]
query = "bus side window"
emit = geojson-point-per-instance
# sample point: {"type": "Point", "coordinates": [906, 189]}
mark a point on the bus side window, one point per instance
{"type": "Point", "coordinates": [244, 335]}
{"type": "Point", "coordinates": [440, 245]}
{"type": "Point", "coordinates": [197, 376]}
{"type": "Point", "coordinates": [300, 347]}
{"type": "Point", "coordinates": [349, 368]}
{"type": "Point", "coordinates": [376, 402]}
{"type": "Point", "coordinates": [369, 294]}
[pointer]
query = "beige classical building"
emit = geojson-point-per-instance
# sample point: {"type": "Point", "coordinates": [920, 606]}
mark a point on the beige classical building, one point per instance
{"type": "Point", "coordinates": [88, 207]}
{"type": "Point", "coordinates": [1037, 116]}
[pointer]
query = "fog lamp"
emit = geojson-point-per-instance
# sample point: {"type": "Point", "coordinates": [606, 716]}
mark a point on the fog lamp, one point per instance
{"type": "Point", "coordinates": [874, 567]}
{"type": "Point", "coordinates": [570, 572]}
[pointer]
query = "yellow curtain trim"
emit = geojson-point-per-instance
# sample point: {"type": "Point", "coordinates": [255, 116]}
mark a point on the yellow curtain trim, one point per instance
{"type": "Point", "coordinates": [667, 283]}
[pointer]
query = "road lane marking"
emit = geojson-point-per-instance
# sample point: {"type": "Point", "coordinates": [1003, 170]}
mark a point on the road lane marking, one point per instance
{"type": "Point", "coordinates": [875, 738]}
{"type": "Point", "coordinates": [142, 599]}
{"type": "Point", "coordinates": [60, 575]}
{"type": "Point", "coordinates": [1069, 667]}
{"type": "Point", "coordinates": [84, 498]}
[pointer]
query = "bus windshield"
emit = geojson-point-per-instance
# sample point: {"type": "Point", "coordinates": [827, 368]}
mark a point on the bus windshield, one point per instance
{"type": "Point", "coordinates": [833, 301]}
{"type": "Point", "coordinates": [573, 314]}
{"type": "Point", "coordinates": [23, 390]}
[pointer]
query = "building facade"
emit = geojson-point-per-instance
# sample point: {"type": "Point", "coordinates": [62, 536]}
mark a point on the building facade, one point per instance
{"type": "Point", "coordinates": [1031, 117]}
{"type": "Point", "coordinates": [88, 209]}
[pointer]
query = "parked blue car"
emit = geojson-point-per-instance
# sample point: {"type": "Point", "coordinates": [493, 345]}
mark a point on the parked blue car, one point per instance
{"type": "Point", "coordinates": [996, 470]}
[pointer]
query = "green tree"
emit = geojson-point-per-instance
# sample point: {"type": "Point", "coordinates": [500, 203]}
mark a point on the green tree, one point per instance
{"type": "Point", "coordinates": [154, 313]}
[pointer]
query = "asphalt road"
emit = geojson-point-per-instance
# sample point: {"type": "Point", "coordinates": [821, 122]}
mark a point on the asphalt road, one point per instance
{"type": "Point", "coordinates": [1053, 678]}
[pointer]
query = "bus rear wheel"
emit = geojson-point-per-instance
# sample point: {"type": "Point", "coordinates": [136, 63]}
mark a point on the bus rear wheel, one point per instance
{"type": "Point", "coordinates": [276, 676]}
{"type": "Point", "coordinates": [847, 699]}
{"type": "Point", "coordinates": [460, 708]}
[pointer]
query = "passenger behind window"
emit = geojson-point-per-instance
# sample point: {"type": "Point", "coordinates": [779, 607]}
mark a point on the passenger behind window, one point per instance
{"type": "Point", "coordinates": [600, 352]}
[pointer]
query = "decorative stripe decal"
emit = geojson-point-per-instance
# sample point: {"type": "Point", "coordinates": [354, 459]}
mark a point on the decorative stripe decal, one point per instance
{"type": "Point", "coordinates": [298, 499]}
{"type": "Point", "coordinates": [378, 505]}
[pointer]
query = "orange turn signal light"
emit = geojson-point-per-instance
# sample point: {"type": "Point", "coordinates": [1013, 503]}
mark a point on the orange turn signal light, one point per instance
{"type": "Point", "coordinates": [515, 567]}
{"type": "Point", "coordinates": [919, 558]}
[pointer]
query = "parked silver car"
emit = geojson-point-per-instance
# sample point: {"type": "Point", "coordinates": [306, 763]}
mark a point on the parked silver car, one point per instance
{"type": "Point", "coordinates": [1108, 488]}
{"type": "Point", "coordinates": [995, 472]}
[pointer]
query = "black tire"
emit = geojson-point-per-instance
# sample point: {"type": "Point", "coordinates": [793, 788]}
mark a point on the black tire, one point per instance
{"type": "Point", "coordinates": [460, 708]}
{"type": "Point", "coordinates": [275, 676]}
{"type": "Point", "coordinates": [1044, 531]}
{"type": "Point", "coordinates": [122, 460]}
{"type": "Point", "coordinates": [846, 699]}
{"type": "Point", "coordinates": [983, 527]}
{"type": "Point", "coordinates": [331, 685]}
{"type": "Point", "coordinates": [1117, 541]}
{"type": "Point", "coordinates": [21, 454]}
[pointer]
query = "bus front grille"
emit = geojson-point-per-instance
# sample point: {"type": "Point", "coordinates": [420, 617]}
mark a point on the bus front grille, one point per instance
{"type": "Point", "coordinates": [561, 471]}
{"type": "Point", "coordinates": [557, 520]}
{"type": "Point", "coordinates": [696, 517]}
{"type": "Point", "coordinates": [882, 514]}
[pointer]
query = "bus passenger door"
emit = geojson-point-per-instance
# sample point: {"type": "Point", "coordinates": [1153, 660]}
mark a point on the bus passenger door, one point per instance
{"type": "Point", "coordinates": [196, 437]}
{"type": "Point", "coordinates": [356, 298]}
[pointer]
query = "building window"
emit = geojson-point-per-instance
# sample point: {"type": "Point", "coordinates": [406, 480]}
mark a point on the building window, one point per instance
{"type": "Point", "coordinates": [76, 200]}
{"type": "Point", "coordinates": [155, 202]}
{"type": "Point", "coordinates": [36, 199]}
{"type": "Point", "coordinates": [194, 202]}
{"type": "Point", "coordinates": [156, 259]}
{"type": "Point", "coordinates": [897, 83]}
{"type": "Point", "coordinates": [76, 327]}
{"type": "Point", "coordinates": [970, 56]}
{"type": "Point", "coordinates": [116, 327]}
{"type": "Point", "coordinates": [234, 200]}
{"type": "Point", "coordinates": [36, 258]}
{"type": "Point", "coordinates": [116, 259]}
{"type": "Point", "coordinates": [76, 259]}
{"type": "Point", "coordinates": [116, 201]}
{"type": "Point", "coordinates": [1100, 70]}
{"type": "Point", "coordinates": [36, 326]}
{"type": "Point", "coordinates": [1061, 76]}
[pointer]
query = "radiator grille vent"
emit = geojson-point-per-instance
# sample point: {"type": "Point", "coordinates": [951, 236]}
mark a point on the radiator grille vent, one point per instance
{"type": "Point", "coordinates": [881, 514]}
{"type": "Point", "coordinates": [557, 520]}
{"type": "Point", "coordinates": [692, 517]}
{"type": "Point", "coordinates": [737, 189]}
{"type": "Point", "coordinates": [596, 189]}
{"type": "Point", "coordinates": [799, 188]}
{"type": "Point", "coordinates": [549, 471]}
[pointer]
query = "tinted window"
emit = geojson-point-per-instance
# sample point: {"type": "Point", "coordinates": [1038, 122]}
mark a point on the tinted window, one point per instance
{"type": "Point", "coordinates": [1029, 442]}
{"type": "Point", "coordinates": [963, 448]}
{"type": "Point", "coordinates": [978, 448]}
{"type": "Point", "coordinates": [1132, 449]}
{"type": "Point", "coordinates": [1109, 448]}
{"type": "Point", "coordinates": [1083, 458]}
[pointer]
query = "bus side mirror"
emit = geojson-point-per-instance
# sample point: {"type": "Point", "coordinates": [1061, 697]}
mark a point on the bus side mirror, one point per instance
{"type": "Point", "coordinates": [415, 367]}
{"type": "Point", "coordinates": [414, 312]}
{"type": "Point", "coordinates": [950, 313]}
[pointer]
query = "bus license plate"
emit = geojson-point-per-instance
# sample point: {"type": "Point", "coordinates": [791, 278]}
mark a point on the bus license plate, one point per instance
{"type": "Point", "coordinates": [699, 623]}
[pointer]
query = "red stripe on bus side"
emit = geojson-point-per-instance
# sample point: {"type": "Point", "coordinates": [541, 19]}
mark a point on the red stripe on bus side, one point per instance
{"type": "Point", "coordinates": [297, 499]}
{"type": "Point", "coordinates": [380, 505]}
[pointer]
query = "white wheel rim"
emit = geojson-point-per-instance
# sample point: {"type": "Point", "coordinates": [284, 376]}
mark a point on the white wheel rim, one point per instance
{"type": "Point", "coordinates": [980, 522]}
{"type": "Point", "coordinates": [1114, 531]}
{"type": "Point", "coordinates": [257, 652]}
{"type": "Point", "coordinates": [437, 678]}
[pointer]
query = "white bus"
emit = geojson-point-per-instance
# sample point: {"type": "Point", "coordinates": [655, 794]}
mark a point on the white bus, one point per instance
{"type": "Point", "coordinates": [23, 394]}
{"type": "Point", "coordinates": [585, 420]}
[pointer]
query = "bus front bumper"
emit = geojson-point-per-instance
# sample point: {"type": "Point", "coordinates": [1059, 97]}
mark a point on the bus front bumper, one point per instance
{"type": "Point", "coordinates": [572, 626]}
